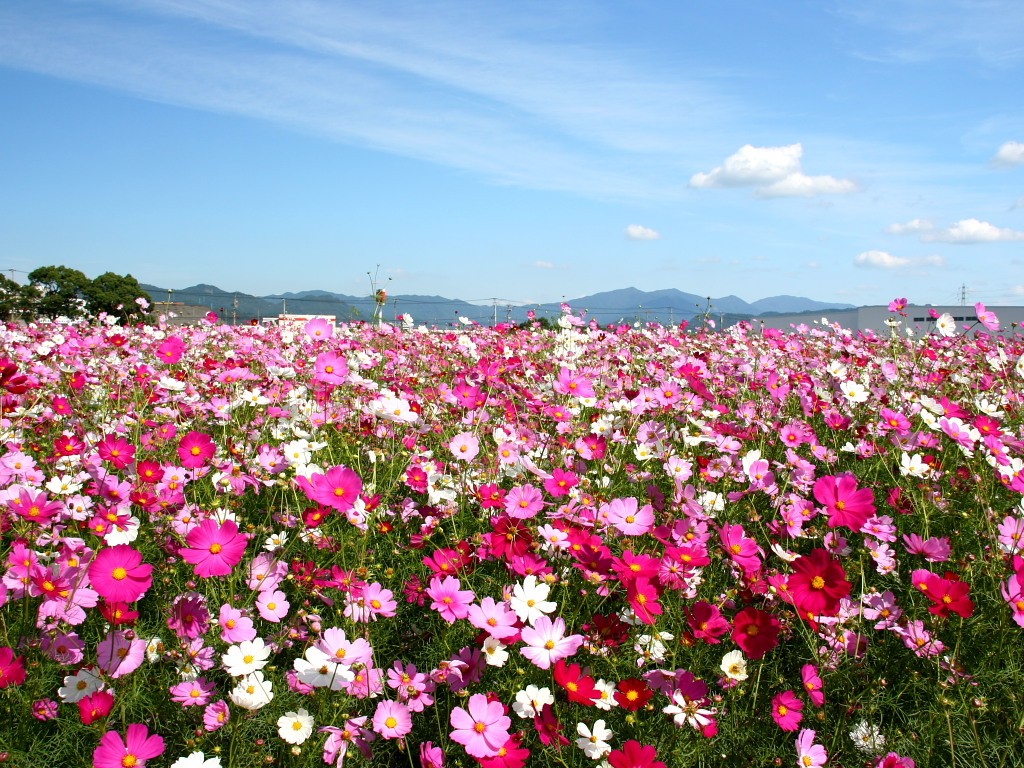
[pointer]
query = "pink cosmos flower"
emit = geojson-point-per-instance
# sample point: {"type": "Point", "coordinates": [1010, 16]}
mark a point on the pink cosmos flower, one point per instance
{"type": "Point", "coordinates": [742, 549]}
{"type": "Point", "coordinates": [431, 756]}
{"type": "Point", "coordinates": [546, 642]}
{"type": "Point", "coordinates": [986, 317]}
{"type": "Point", "coordinates": [138, 747]}
{"type": "Point", "coordinates": [1011, 534]}
{"type": "Point", "coordinates": [494, 618]}
{"type": "Point", "coordinates": [195, 449]}
{"type": "Point", "coordinates": [193, 693]}
{"type": "Point", "coordinates": [171, 350]}
{"type": "Point", "coordinates": [786, 710]}
{"type": "Point", "coordinates": [809, 754]}
{"type": "Point", "coordinates": [214, 549]}
{"type": "Point", "coordinates": [216, 716]}
{"type": "Point", "coordinates": [235, 626]}
{"type": "Point", "coordinates": [448, 600]}
{"type": "Point", "coordinates": [189, 617]}
{"type": "Point", "coordinates": [845, 504]}
{"type": "Point", "coordinates": [627, 519]}
{"type": "Point", "coordinates": [34, 508]}
{"type": "Point", "coordinates": [392, 720]}
{"type": "Point", "coordinates": [330, 368]}
{"type": "Point", "coordinates": [483, 728]}
{"type": "Point", "coordinates": [12, 668]}
{"type": "Point", "coordinates": [523, 502]}
{"type": "Point", "coordinates": [272, 605]}
{"type": "Point", "coordinates": [464, 446]}
{"type": "Point", "coordinates": [573, 383]}
{"type": "Point", "coordinates": [934, 549]}
{"type": "Point", "coordinates": [369, 602]}
{"type": "Point", "coordinates": [338, 489]}
{"type": "Point", "coordinates": [118, 655]}
{"type": "Point", "coordinates": [119, 575]}
{"type": "Point", "coordinates": [813, 684]}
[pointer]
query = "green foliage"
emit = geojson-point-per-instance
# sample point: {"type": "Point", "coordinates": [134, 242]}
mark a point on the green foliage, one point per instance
{"type": "Point", "coordinates": [60, 291]}
{"type": "Point", "coordinates": [114, 294]}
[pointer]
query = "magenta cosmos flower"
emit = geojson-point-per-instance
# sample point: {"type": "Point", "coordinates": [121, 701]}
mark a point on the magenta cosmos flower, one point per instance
{"type": "Point", "coordinates": [338, 489]}
{"type": "Point", "coordinates": [119, 574]}
{"type": "Point", "coordinates": [195, 449]}
{"type": "Point", "coordinates": [483, 728]}
{"type": "Point", "coordinates": [135, 750]}
{"type": "Point", "coordinates": [214, 549]}
{"type": "Point", "coordinates": [845, 504]}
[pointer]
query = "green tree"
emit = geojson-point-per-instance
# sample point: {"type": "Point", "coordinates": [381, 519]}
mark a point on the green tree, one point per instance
{"type": "Point", "coordinates": [114, 294]}
{"type": "Point", "coordinates": [61, 291]}
{"type": "Point", "coordinates": [15, 300]}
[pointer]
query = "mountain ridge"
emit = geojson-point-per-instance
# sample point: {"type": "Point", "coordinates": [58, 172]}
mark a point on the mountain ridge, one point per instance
{"type": "Point", "coordinates": [666, 305]}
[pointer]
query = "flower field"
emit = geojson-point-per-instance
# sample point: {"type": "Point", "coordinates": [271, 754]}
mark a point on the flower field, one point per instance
{"type": "Point", "coordinates": [634, 547]}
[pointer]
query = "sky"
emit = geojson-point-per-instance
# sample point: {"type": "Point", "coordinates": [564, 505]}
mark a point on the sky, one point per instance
{"type": "Point", "coordinates": [529, 151]}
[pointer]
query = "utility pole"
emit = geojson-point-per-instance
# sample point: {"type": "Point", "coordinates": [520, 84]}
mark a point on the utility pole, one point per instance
{"type": "Point", "coordinates": [284, 306]}
{"type": "Point", "coordinates": [396, 309]}
{"type": "Point", "coordinates": [234, 310]}
{"type": "Point", "coordinates": [495, 321]}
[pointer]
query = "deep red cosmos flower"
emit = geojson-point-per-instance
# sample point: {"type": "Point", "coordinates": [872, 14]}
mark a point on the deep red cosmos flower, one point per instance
{"type": "Point", "coordinates": [818, 584]}
{"type": "Point", "coordinates": [756, 632]}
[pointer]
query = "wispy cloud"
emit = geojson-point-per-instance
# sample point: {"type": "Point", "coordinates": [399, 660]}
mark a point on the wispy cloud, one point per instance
{"type": "Point", "coordinates": [541, 264]}
{"type": "Point", "coordinates": [773, 172]}
{"type": "Point", "coordinates": [973, 231]}
{"type": "Point", "coordinates": [912, 32]}
{"type": "Point", "coordinates": [913, 226]}
{"type": "Point", "coordinates": [453, 88]}
{"type": "Point", "coordinates": [639, 232]}
{"type": "Point", "coordinates": [885, 260]}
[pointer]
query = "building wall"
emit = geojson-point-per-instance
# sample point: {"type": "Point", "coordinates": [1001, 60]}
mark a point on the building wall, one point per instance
{"type": "Point", "coordinates": [873, 318]}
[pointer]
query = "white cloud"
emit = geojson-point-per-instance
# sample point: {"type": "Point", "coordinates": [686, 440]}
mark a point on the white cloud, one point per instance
{"type": "Point", "coordinates": [880, 260]}
{"type": "Point", "coordinates": [541, 264]}
{"type": "Point", "coordinates": [638, 232]}
{"type": "Point", "coordinates": [910, 227]}
{"type": "Point", "coordinates": [1010, 154]}
{"type": "Point", "coordinates": [885, 260]}
{"type": "Point", "coordinates": [971, 231]}
{"type": "Point", "coordinates": [773, 171]}
{"type": "Point", "coordinates": [752, 165]}
{"type": "Point", "coordinates": [799, 185]}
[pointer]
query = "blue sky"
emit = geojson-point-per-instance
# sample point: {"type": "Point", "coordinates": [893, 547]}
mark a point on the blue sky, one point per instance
{"type": "Point", "coordinates": [527, 151]}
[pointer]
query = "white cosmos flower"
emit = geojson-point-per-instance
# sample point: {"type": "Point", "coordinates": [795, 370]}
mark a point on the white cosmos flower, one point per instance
{"type": "Point", "coordinates": [322, 671]}
{"type": "Point", "coordinates": [253, 692]}
{"type": "Point", "coordinates": [295, 727]}
{"type": "Point", "coordinates": [531, 700]}
{"type": "Point", "coordinates": [854, 391]}
{"type": "Point", "coordinates": [529, 600]}
{"type": "Point", "coordinates": [945, 325]}
{"type": "Point", "coordinates": [246, 657]}
{"type": "Point", "coordinates": [494, 652]}
{"type": "Point", "coordinates": [734, 665]}
{"type": "Point", "coordinates": [913, 466]}
{"type": "Point", "coordinates": [79, 685]}
{"type": "Point", "coordinates": [594, 741]}
{"type": "Point", "coordinates": [197, 760]}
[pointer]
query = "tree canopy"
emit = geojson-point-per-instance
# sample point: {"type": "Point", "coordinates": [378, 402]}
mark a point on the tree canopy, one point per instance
{"type": "Point", "coordinates": [56, 291]}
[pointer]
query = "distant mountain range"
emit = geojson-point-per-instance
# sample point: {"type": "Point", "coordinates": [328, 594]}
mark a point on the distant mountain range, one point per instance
{"type": "Point", "coordinates": [624, 305]}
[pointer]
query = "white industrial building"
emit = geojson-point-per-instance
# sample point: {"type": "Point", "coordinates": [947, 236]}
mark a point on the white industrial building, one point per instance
{"type": "Point", "coordinates": [918, 319]}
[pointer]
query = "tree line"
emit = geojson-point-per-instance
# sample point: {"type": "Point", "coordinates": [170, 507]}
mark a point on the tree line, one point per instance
{"type": "Point", "coordinates": [57, 291]}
